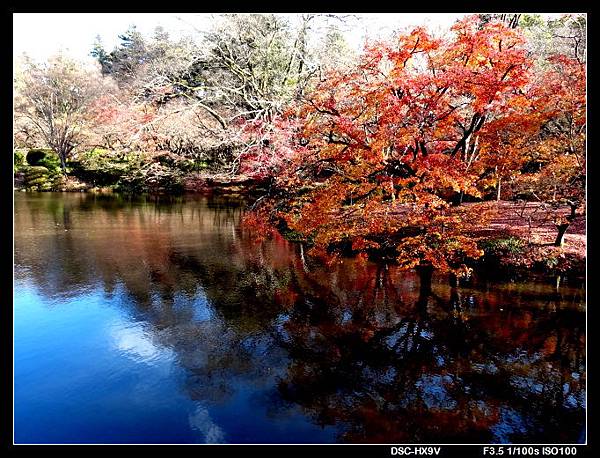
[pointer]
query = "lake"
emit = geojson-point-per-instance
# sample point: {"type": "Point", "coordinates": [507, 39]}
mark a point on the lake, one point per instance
{"type": "Point", "coordinates": [167, 321]}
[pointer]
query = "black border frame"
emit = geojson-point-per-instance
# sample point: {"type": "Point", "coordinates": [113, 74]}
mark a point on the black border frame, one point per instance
{"type": "Point", "coordinates": [7, 247]}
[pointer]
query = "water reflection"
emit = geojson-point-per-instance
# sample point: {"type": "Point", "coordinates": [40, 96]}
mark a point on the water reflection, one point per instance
{"type": "Point", "coordinates": [269, 347]}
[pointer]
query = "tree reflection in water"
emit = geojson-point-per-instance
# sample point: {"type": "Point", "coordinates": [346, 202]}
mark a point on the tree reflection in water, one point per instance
{"type": "Point", "coordinates": [358, 346]}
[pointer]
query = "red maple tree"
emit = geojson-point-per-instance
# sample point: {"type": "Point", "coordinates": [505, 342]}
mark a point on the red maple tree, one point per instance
{"type": "Point", "coordinates": [378, 158]}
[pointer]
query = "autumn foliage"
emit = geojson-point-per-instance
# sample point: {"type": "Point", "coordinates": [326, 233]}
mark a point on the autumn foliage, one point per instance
{"type": "Point", "coordinates": [378, 158]}
{"type": "Point", "coordinates": [375, 156]}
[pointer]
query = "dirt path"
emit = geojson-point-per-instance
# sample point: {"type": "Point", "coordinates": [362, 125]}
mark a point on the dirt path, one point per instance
{"type": "Point", "coordinates": [533, 221]}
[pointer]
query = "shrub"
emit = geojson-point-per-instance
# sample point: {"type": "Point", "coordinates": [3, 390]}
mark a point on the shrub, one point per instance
{"type": "Point", "coordinates": [179, 162]}
{"type": "Point", "coordinates": [153, 177]}
{"type": "Point", "coordinates": [37, 178]}
{"type": "Point", "coordinates": [102, 167]}
{"type": "Point", "coordinates": [19, 157]}
{"type": "Point", "coordinates": [34, 156]}
{"type": "Point", "coordinates": [503, 246]}
{"type": "Point", "coordinates": [44, 158]}
{"type": "Point", "coordinates": [19, 160]}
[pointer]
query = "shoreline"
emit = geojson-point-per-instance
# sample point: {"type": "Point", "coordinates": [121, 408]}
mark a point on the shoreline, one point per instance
{"type": "Point", "coordinates": [512, 249]}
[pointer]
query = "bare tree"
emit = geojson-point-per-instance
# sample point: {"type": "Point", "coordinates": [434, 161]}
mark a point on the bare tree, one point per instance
{"type": "Point", "coordinates": [54, 98]}
{"type": "Point", "coordinates": [201, 90]}
{"type": "Point", "coordinates": [246, 67]}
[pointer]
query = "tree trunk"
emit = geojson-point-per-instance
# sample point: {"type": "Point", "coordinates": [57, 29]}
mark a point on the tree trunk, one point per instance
{"type": "Point", "coordinates": [304, 266]}
{"type": "Point", "coordinates": [63, 159]}
{"type": "Point", "coordinates": [453, 280]}
{"type": "Point", "coordinates": [63, 163]}
{"type": "Point", "coordinates": [425, 272]}
{"type": "Point", "coordinates": [498, 189]}
{"type": "Point", "coordinates": [573, 206]}
{"type": "Point", "coordinates": [560, 238]}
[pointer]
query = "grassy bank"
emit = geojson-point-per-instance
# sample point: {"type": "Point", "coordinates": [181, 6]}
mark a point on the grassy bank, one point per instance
{"type": "Point", "coordinates": [134, 172]}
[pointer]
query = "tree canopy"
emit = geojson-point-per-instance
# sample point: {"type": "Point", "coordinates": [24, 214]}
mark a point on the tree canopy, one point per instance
{"type": "Point", "coordinates": [389, 152]}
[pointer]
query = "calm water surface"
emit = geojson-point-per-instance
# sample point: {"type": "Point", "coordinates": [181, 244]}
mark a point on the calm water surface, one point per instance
{"type": "Point", "coordinates": [145, 321]}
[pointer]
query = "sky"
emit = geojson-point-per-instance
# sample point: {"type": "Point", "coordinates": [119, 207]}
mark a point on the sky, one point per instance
{"type": "Point", "coordinates": [74, 33]}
